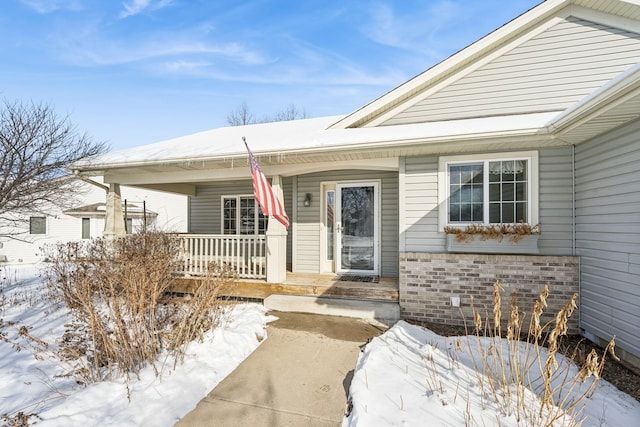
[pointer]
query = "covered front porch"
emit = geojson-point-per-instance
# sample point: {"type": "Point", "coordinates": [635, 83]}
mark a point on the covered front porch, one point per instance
{"type": "Point", "coordinates": [249, 257]}
{"type": "Point", "coordinates": [343, 206]}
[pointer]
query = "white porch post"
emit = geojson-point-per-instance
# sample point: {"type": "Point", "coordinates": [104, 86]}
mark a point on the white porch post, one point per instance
{"type": "Point", "coordinates": [276, 242]}
{"type": "Point", "coordinates": [114, 221]}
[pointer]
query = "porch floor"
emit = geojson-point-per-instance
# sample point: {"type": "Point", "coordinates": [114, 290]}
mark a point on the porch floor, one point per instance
{"type": "Point", "coordinates": [325, 285]}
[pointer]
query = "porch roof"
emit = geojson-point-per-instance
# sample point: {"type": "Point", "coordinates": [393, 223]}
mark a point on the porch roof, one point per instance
{"type": "Point", "coordinates": [291, 141]}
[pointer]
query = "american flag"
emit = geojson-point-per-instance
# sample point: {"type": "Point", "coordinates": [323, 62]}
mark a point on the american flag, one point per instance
{"type": "Point", "coordinates": [269, 202]}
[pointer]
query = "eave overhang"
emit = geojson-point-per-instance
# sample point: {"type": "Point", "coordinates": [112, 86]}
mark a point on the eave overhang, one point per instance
{"type": "Point", "coordinates": [341, 148]}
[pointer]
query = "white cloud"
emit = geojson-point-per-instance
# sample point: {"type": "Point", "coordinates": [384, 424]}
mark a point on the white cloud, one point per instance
{"type": "Point", "coordinates": [137, 6]}
{"type": "Point", "coordinates": [98, 53]}
{"type": "Point", "coordinates": [48, 6]}
{"type": "Point", "coordinates": [414, 30]}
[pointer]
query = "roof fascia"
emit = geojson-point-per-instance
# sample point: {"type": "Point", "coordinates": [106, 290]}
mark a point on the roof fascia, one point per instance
{"type": "Point", "coordinates": [620, 89]}
{"type": "Point", "coordinates": [593, 15]}
{"type": "Point", "coordinates": [440, 70]}
{"type": "Point", "coordinates": [571, 10]}
{"type": "Point", "coordinates": [463, 72]}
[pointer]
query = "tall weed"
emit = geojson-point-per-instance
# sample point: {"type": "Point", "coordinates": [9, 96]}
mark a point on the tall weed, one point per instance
{"type": "Point", "coordinates": [513, 364]}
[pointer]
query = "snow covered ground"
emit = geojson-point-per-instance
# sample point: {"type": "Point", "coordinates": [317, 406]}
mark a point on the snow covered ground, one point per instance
{"type": "Point", "coordinates": [29, 381]}
{"type": "Point", "coordinates": [407, 376]}
{"type": "Point", "coordinates": [411, 376]}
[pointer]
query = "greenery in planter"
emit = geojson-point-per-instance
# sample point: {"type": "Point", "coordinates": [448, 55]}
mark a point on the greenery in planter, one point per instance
{"type": "Point", "coordinates": [515, 232]}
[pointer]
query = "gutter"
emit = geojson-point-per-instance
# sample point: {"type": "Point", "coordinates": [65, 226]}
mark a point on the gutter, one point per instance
{"type": "Point", "coordinates": [384, 144]}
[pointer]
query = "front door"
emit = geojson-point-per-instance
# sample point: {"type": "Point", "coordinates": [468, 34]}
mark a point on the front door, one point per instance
{"type": "Point", "coordinates": [357, 228]}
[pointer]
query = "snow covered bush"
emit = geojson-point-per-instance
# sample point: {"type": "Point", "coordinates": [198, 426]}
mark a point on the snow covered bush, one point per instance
{"type": "Point", "coordinates": [124, 317]}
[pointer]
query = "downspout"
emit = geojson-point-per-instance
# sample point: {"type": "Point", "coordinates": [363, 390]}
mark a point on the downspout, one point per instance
{"type": "Point", "coordinates": [573, 199]}
{"type": "Point", "coordinates": [573, 228]}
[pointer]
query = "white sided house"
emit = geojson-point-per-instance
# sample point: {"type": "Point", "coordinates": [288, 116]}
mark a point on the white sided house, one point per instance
{"type": "Point", "coordinates": [86, 220]}
{"type": "Point", "coordinates": [538, 122]}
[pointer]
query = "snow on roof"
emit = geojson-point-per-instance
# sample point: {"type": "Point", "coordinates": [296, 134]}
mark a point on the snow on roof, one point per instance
{"type": "Point", "coordinates": [310, 135]}
{"type": "Point", "coordinates": [100, 208]}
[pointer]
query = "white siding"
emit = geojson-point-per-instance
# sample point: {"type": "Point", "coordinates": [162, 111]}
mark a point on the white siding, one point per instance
{"type": "Point", "coordinates": [171, 210]}
{"type": "Point", "coordinates": [608, 235]}
{"type": "Point", "coordinates": [549, 72]}
{"type": "Point", "coordinates": [420, 203]}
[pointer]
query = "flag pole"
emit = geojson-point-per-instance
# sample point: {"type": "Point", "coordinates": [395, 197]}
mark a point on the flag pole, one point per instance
{"type": "Point", "coordinates": [270, 202]}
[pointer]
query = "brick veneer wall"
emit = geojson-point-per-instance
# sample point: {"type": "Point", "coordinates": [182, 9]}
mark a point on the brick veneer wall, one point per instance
{"type": "Point", "coordinates": [429, 280]}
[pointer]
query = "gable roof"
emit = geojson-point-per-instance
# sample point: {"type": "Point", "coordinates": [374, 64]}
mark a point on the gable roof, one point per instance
{"type": "Point", "coordinates": [568, 113]}
{"type": "Point", "coordinates": [497, 74]}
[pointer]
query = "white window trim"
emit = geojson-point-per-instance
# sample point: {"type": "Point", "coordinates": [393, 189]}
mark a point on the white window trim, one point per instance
{"type": "Point", "coordinates": [238, 219]}
{"type": "Point", "coordinates": [443, 183]}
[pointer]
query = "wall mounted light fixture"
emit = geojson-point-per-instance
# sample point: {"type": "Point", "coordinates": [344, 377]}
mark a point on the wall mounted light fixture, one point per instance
{"type": "Point", "coordinates": [307, 200]}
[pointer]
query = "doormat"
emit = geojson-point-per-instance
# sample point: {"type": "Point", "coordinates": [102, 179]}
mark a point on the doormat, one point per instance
{"type": "Point", "coordinates": [356, 278]}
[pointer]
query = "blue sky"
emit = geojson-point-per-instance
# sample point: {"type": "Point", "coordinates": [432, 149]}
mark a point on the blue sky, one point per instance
{"type": "Point", "coordinates": [135, 72]}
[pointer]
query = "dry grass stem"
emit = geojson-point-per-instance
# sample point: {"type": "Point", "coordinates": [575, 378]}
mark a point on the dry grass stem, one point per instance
{"type": "Point", "coordinates": [509, 369]}
{"type": "Point", "coordinates": [514, 232]}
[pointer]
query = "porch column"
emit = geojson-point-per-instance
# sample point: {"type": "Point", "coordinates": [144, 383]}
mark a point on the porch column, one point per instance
{"type": "Point", "coordinates": [276, 236]}
{"type": "Point", "coordinates": [114, 221]}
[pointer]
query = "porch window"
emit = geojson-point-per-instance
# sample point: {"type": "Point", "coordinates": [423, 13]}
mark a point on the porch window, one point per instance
{"type": "Point", "coordinates": [242, 215]}
{"type": "Point", "coordinates": [37, 225]}
{"type": "Point", "coordinates": [488, 189]}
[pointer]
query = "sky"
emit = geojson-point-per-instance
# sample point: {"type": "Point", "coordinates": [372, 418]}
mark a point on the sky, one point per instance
{"type": "Point", "coordinates": [134, 72]}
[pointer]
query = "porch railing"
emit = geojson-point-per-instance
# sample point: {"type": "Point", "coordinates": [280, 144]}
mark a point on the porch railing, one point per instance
{"type": "Point", "coordinates": [246, 254]}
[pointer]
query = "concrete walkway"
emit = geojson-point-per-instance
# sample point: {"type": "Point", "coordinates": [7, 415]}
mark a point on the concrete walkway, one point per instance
{"type": "Point", "coordinates": [299, 376]}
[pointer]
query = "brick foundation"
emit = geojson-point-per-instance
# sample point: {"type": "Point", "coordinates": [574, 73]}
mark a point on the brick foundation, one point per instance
{"type": "Point", "coordinates": [429, 280]}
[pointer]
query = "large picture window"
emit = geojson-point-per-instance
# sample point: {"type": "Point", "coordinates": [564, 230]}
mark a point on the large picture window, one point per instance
{"type": "Point", "coordinates": [242, 215]}
{"type": "Point", "coordinates": [488, 189]}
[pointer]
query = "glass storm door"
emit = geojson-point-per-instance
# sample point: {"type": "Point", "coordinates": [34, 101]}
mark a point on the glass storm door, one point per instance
{"type": "Point", "coordinates": [328, 236]}
{"type": "Point", "coordinates": [357, 228]}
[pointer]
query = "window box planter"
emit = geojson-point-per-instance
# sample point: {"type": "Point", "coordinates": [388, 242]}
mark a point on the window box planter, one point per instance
{"type": "Point", "coordinates": [505, 245]}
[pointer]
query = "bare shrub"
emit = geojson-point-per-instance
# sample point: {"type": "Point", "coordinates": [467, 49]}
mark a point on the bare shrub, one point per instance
{"type": "Point", "coordinates": [123, 319]}
{"type": "Point", "coordinates": [508, 368]}
{"type": "Point", "coordinates": [19, 419]}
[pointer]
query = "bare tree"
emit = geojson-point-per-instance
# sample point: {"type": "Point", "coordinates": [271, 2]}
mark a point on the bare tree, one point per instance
{"type": "Point", "coordinates": [291, 112]}
{"type": "Point", "coordinates": [36, 146]}
{"type": "Point", "coordinates": [243, 116]}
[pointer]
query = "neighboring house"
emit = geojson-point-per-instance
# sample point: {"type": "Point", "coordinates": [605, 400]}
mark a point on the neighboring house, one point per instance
{"type": "Point", "coordinates": [153, 209]}
{"type": "Point", "coordinates": [537, 122]}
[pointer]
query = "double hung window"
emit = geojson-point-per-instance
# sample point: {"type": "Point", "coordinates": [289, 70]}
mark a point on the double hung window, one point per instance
{"type": "Point", "coordinates": [242, 215]}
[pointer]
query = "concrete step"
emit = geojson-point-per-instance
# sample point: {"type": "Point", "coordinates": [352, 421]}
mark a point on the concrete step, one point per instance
{"type": "Point", "coordinates": [384, 312]}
